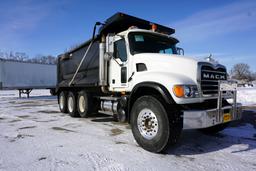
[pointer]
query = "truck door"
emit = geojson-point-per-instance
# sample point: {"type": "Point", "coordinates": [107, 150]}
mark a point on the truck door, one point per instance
{"type": "Point", "coordinates": [118, 65]}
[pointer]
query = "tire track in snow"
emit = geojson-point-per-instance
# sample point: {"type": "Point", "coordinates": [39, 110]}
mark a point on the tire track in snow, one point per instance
{"type": "Point", "coordinates": [103, 163]}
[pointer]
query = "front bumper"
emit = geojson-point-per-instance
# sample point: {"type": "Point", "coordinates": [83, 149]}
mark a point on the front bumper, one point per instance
{"type": "Point", "coordinates": [195, 119]}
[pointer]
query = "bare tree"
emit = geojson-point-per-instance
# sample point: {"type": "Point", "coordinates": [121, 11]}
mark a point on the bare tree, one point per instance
{"type": "Point", "coordinates": [252, 76]}
{"type": "Point", "coordinates": [16, 56]}
{"type": "Point", "coordinates": [4, 55]}
{"type": "Point", "coordinates": [241, 71]}
{"type": "Point", "coordinates": [42, 59]}
{"type": "Point", "coordinates": [21, 56]}
{"type": "Point", "coordinates": [51, 59]}
{"type": "Point", "coordinates": [11, 56]}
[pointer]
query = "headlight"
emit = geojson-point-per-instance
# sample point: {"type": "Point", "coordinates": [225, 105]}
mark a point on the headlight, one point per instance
{"type": "Point", "coordinates": [187, 91]}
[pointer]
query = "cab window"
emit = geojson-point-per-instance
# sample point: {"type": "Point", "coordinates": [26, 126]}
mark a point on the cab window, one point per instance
{"type": "Point", "coordinates": [120, 50]}
{"type": "Point", "coordinates": [151, 43]}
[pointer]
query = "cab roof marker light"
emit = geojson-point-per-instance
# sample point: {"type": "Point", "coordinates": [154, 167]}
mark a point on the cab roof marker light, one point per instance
{"type": "Point", "coordinates": [154, 27]}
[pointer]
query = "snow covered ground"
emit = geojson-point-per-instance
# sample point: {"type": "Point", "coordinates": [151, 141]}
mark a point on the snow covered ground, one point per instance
{"type": "Point", "coordinates": [35, 136]}
{"type": "Point", "coordinates": [247, 96]}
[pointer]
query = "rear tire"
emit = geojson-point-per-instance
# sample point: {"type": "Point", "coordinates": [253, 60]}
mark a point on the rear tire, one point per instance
{"type": "Point", "coordinates": [71, 104]}
{"type": "Point", "coordinates": [62, 99]}
{"type": "Point", "coordinates": [214, 129]}
{"type": "Point", "coordinates": [84, 104]}
{"type": "Point", "coordinates": [153, 128]}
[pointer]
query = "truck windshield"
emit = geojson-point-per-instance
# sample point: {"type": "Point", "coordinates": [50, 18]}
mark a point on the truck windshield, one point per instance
{"type": "Point", "coordinates": [151, 43]}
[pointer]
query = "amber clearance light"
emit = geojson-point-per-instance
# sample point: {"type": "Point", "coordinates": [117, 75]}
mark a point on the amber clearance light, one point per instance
{"type": "Point", "coordinates": [178, 90]}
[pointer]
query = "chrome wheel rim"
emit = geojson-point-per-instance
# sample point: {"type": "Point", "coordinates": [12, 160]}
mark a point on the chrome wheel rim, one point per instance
{"type": "Point", "coordinates": [70, 104]}
{"type": "Point", "coordinates": [61, 102]}
{"type": "Point", "coordinates": [147, 124]}
{"type": "Point", "coordinates": [81, 104]}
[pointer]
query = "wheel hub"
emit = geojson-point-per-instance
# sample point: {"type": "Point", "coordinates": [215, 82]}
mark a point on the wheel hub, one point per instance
{"type": "Point", "coordinates": [147, 124]}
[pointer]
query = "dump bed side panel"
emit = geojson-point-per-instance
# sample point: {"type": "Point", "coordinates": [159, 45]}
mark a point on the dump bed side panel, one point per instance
{"type": "Point", "coordinates": [88, 74]}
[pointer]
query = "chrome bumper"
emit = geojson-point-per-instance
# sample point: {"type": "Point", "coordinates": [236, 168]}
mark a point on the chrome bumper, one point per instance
{"type": "Point", "coordinates": [194, 119]}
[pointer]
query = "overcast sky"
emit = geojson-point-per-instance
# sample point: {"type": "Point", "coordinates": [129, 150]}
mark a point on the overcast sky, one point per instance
{"type": "Point", "coordinates": [226, 29]}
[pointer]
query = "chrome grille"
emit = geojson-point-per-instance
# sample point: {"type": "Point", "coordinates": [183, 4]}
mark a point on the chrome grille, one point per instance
{"type": "Point", "coordinates": [210, 77]}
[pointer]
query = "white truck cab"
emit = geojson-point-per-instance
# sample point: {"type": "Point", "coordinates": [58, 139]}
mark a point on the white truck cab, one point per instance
{"type": "Point", "coordinates": [149, 56]}
{"type": "Point", "coordinates": [143, 78]}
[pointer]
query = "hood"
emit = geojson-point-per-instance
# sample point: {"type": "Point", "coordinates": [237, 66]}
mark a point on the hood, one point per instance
{"type": "Point", "coordinates": [174, 64]}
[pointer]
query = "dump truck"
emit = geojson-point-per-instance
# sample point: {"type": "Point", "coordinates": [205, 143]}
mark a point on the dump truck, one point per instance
{"type": "Point", "coordinates": [133, 70]}
{"type": "Point", "coordinates": [26, 76]}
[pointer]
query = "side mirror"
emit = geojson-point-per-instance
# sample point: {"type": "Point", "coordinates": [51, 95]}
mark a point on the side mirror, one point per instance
{"type": "Point", "coordinates": [110, 43]}
{"type": "Point", "coordinates": [180, 51]}
{"type": "Point", "coordinates": [109, 47]}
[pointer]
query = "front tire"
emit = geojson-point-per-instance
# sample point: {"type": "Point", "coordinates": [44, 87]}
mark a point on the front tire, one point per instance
{"type": "Point", "coordinates": [71, 104]}
{"type": "Point", "coordinates": [62, 99]}
{"type": "Point", "coordinates": [152, 127]}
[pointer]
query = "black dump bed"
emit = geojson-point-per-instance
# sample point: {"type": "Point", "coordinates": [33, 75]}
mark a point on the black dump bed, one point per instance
{"type": "Point", "coordinates": [88, 74]}
{"type": "Point", "coordinates": [120, 22]}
